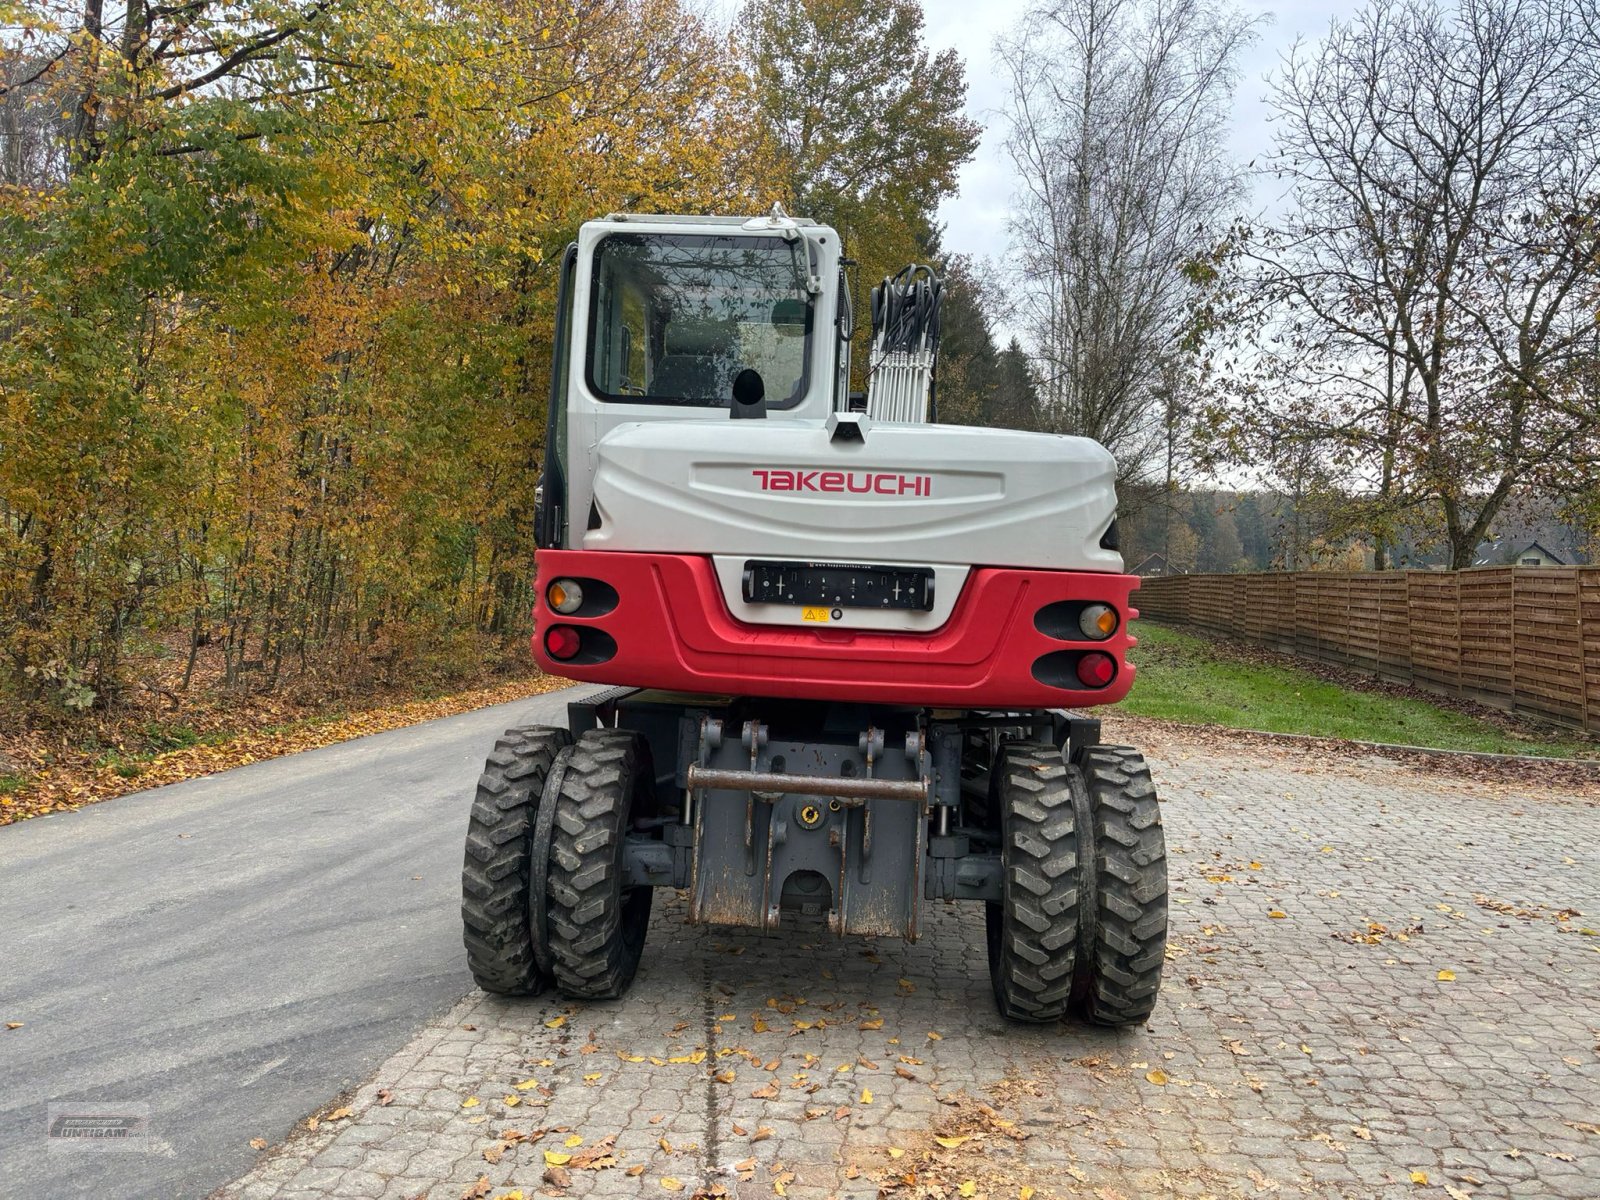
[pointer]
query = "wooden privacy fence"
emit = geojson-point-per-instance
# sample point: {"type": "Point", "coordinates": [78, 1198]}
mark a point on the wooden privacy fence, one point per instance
{"type": "Point", "coordinates": [1525, 639]}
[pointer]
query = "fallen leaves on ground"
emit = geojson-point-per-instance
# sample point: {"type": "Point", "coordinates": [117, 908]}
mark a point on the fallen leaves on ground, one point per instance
{"type": "Point", "coordinates": [956, 1158]}
{"type": "Point", "coordinates": [1377, 932]}
{"type": "Point", "coordinates": [60, 777]}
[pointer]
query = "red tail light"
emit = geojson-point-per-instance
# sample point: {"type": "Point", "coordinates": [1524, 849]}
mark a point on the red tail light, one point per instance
{"type": "Point", "coordinates": [562, 642]}
{"type": "Point", "coordinates": [1096, 669]}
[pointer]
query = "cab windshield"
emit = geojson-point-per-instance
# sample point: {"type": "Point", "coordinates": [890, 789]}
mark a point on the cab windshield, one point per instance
{"type": "Point", "coordinates": [674, 318]}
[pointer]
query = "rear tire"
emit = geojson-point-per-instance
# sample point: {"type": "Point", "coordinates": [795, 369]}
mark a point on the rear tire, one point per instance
{"type": "Point", "coordinates": [1033, 928]}
{"type": "Point", "coordinates": [495, 876]}
{"type": "Point", "coordinates": [1124, 942]}
{"type": "Point", "coordinates": [596, 927]}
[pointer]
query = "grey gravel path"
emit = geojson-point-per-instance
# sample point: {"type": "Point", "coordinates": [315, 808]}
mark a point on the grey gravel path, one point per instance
{"type": "Point", "coordinates": [1306, 1043]}
{"type": "Point", "coordinates": [231, 952]}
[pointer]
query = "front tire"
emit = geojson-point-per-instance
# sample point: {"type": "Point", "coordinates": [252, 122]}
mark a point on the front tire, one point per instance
{"type": "Point", "coordinates": [596, 926]}
{"type": "Point", "coordinates": [1033, 928]}
{"type": "Point", "coordinates": [495, 878]}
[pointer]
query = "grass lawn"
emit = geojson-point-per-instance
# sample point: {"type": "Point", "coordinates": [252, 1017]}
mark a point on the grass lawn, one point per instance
{"type": "Point", "coordinates": [1187, 678]}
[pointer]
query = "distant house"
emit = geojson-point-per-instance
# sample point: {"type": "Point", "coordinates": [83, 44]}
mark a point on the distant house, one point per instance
{"type": "Point", "coordinates": [1499, 552]}
{"type": "Point", "coordinates": [1154, 567]}
{"type": "Point", "coordinates": [1535, 555]}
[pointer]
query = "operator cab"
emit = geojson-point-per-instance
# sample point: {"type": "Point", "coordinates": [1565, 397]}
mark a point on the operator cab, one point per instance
{"type": "Point", "coordinates": [688, 319]}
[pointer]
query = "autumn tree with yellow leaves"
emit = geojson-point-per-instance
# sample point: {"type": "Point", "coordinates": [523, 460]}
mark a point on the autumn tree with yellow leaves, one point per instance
{"type": "Point", "coordinates": [863, 126]}
{"type": "Point", "coordinates": [276, 295]}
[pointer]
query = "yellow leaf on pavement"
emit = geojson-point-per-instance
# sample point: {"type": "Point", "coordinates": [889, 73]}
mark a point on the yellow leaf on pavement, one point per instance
{"type": "Point", "coordinates": [1278, 914]}
{"type": "Point", "coordinates": [1157, 1077]}
{"type": "Point", "coordinates": [866, 1095]}
{"type": "Point", "coordinates": [1447, 975]}
{"type": "Point", "coordinates": [671, 1184]}
{"type": "Point", "coordinates": [575, 1139]}
{"type": "Point", "coordinates": [556, 1022]}
{"type": "Point", "coordinates": [950, 1143]}
{"type": "Point", "coordinates": [526, 1084]}
{"type": "Point", "coordinates": [896, 1152]}
{"type": "Point", "coordinates": [555, 1158]}
{"type": "Point", "coordinates": [969, 1187]}
{"type": "Point", "coordinates": [1420, 1178]}
{"type": "Point", "coordinates": [470, 1102]}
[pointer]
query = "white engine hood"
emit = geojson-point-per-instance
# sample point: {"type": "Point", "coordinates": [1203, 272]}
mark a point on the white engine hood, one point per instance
{"type": "Point", "coordinates": [919, 494]}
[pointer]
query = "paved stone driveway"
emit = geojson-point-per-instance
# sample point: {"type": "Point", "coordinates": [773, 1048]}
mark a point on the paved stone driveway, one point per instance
{"type": "Point", "coordinates": [1376, 988]}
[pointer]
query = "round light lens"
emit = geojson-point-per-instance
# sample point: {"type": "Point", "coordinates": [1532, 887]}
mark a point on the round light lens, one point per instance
{"type": "Point", "coordinates": [562, 642]}
{"type": "Point", "coordinates": [1098, 621]}
{"type": "Point", "coordinates": [565, 596]}
{"type": "Point", "coordinates": [1096, 669]}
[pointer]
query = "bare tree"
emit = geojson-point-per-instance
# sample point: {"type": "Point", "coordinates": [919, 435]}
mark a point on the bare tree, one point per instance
{"type": "Point", "coordinates": [1435, 280]}
{"type": "Point", "coordinates": [1116, 126]}
{"type": "Point", "coordinates": [32, 131]}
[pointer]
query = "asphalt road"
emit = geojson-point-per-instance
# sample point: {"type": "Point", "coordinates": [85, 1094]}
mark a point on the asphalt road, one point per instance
{"type": "Point", "coordinates": [232, 952]}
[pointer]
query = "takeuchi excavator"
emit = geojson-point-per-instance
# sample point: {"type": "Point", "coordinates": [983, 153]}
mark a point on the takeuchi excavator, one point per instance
{"type": "Point", "coordinates": [848, 650]}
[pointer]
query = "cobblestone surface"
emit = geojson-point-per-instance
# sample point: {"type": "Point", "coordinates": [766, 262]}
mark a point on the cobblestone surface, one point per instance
{"type": "Point", "coordinates": [1376, 988]}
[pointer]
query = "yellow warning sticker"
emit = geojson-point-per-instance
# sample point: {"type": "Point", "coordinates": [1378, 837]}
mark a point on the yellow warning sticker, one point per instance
{"type": "Point", "coordinates": [814, 614]}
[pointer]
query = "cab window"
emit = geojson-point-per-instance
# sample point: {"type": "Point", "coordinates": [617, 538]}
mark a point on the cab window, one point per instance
{"type": "Point", "coordinates": [673, 319]}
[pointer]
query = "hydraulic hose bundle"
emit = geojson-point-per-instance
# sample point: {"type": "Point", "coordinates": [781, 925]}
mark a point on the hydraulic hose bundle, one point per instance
{"type": "Point", "coordinates": [905, 345]}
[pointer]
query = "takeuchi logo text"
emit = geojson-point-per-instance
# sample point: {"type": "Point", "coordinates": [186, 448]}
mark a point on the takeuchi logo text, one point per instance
{"type": "Point", "coordinates": [886, 483]}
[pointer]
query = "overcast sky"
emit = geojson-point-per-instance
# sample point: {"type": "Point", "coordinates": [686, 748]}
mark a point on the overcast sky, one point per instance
{"type": "Point", "coordinates": [975, 221]}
